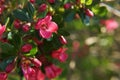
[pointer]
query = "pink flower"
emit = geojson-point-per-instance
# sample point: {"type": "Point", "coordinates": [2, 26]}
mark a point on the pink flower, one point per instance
{"type": "Point", "coordinates": [3, 76]}
{"type": "Point", "coordinates": [26, 28]}
{"type": "Point", "coordinates": [36, 62]}
{"type": "Point", "coordinates": [42, 7]}
{"type": "Point", "coordinates": [67, 5]}
{"type": "Point", "coordinates": [17, 24]}
{"type": "Point", "coordinates": [62, 40]}
{"type": "Point", "coordinates": [89, 13]}
{"type": "Point", "coordinates": [110, 24]}
{"type": "Point", "coordinates": [52, 71]}
{"type": "Point", "coordinates": [26, 48]}
{"type": "Point", "coordinates": [32, 1]}
{"type": "Point", "coordinates": [32, 73]}
{"type": "Point", "coordinates": [60, 54]}
{"type": "Point", "coordinates": [46, 27]}
{"type": "Point", "coordinates": [51, 1]}
{"type": "Point", "coordinates": [10, 67]}
{"type": "Point", "coordinates": [2, 29]}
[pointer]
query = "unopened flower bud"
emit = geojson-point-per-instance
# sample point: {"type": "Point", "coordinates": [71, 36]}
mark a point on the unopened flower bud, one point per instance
{"type": "Point", "coordinates": [62, 40]}
{"type": "Point", "coordinates": [26, 27]}
{"type": "Point", "coordinates": [26, 48]}
{"type": "Point", "coordinates": [17, 24]}
{"type": "Point", "coordinates": [10, 67]}
{"type": "Point", "coordinates": [51, 1]}
{"type": "Point", "coordinates": [42, 7]}
{"type": "Point", "coordinates": [89, 13]}
{"type": "Point", "coordinates": [32, 1]}
{"type": "Point", "coordinates": [3, 75]}
{"type": "Point", "coordinates": [36, 62]}
{"type": "Point", "coordinates": [67, 5]}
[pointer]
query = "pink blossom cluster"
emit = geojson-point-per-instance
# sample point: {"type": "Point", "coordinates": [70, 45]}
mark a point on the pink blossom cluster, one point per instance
{"type": "Point", "coordinates": [46, 27]}
{"type": "Point", "coordinates": [110, 24]}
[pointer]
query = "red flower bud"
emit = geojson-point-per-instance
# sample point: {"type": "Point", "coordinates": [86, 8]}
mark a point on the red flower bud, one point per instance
{"type": "Point", "coordinates": [62, 40]}
{"type": "Point", "coordinates": [26, 28]}
{"type": "Point", "coordinates": [67, 5]}
{"type": "Point", "coordinates": [36, 62]}
{"type": "Point", "coordinates": [51, 1]}
{"type": "Point", "coordinates": [89, 13]}
{"type": "Point", "coordinates": [42, 7]}
{"type": "Point", "coordinates": [32, 1]}
{"type": "Point", "coordinates": [26, 48]}
{"type": "Point", "coordinates": [10, 67]}
{"type": "Point", "coordinates": [17, 24]}
{"type": "Point", "coordinates": [3, 76]}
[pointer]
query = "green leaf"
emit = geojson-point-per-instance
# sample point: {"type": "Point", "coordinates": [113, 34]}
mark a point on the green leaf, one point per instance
{"type": "Point", "coordinates": [88, 2]}
{"type": "Point", "coordinates": [16, 40]}
{"type": "Point", "coordinates": [6, 47]}
{"type": "Point", "coordinates": [69, 16]}
{"type": "Point", "coordinates": [32, 52]}
{"type": "Point", "coordinates": [100, 11]}
{"type": "Point", "coordinates": [82, 1]}
{"type": "Point", "coordinates": [30, 9]}
{"type": "Point", "coordinates": [5, 62]}
{"type": "Point", "coordinates": [86, 21]}
{"type": "Point", "coordinates": [42, 14]}
{"type": "Point", "coordinates": [63, 32]}
{"type": "Point", "coordinates": [21, 15]}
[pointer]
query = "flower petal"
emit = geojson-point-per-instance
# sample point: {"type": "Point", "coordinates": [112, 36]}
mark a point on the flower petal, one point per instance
{"type": "Point", "coordinates": [2, 29]}
{"type": "Point", "coordinates": [45, 34]}
{"type": "Point", "coordinates": [48, 18]}
{"type": "Point", "coordinates": [52, 27]}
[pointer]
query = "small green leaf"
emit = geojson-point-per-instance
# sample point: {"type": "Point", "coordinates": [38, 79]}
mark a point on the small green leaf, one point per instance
{"type": "Point", "coordinates": [32, 52]}
{"type": "Point", "coordinates": [82, 1]}
{"type": "Point", "coordinates": [42, 14]}
{"type": "Point", "coordinates": [88, 2]}
{"type": "Point", "coordinates": [15, 39]}
{"type": "Point", "coordinates": [100, 11]}
{"type": "Point", "coordinates": [7, 48]}
{"type": "Point", "coordinates": [30, 9]}
{"type": "Point", "coordinates": [20, 14]}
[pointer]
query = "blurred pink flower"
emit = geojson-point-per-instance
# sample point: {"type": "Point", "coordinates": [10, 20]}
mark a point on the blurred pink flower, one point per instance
{"type": "Point", "coordinates": [26, 48]}
{"type": "Point", "coordinates": [46, 27]}
{"type": "Point", "coordinates": [60, 54]}
{"type": "Point", "coordinates": [2, 29]}
{"type": "Point", "coordinates": [3, 76]}
{"type": "Point", "coordinates": [110, 24]}
{"type": "Point", "coordinates": [52, 71]}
